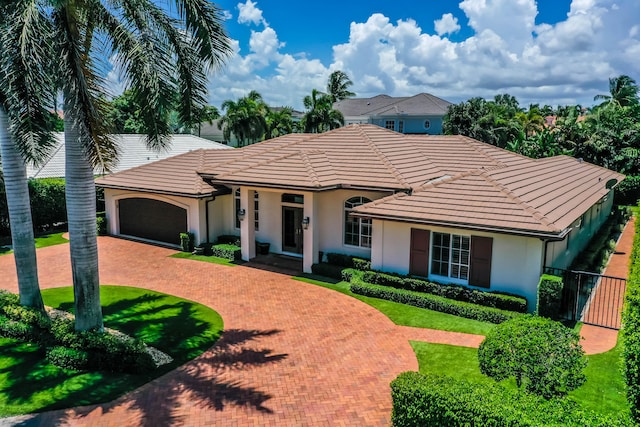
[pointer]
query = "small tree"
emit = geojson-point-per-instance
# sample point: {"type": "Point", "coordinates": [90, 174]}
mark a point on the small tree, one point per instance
{"type": "Point", "coordinates": [544, 356]}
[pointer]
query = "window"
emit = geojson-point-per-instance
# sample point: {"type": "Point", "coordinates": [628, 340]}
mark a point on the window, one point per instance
{"type": "Point", "coordinates": [450, 255]}
{"type": "Point", "coordinates": [390, 124]}
{"type": "Point", "coordinates": [401, 126]}
{"type": "Point", "coordinates": [427, 124]}
{"type": "Point", "coordinates": [357, 231]}
{"type": "Point", "coordinates": [256, 208]}
{"type": "Point", "coordinates": [292, 198]}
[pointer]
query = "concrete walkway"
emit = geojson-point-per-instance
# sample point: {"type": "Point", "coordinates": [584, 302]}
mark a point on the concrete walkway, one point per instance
{"type": "Point", "coordinates": [292, 354]}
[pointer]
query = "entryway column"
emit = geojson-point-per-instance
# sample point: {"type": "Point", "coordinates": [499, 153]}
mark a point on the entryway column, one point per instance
{"type": "Point", "coordinates": [247, 224]}
{"type": "Point", "coordinates": [311, 232]}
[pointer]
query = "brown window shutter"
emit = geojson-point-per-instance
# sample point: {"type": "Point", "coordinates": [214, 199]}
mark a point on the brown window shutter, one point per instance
{"type": "Point", "coordinates": [480, 269]}
{"type": "Point", "coordinates": [419, 254]}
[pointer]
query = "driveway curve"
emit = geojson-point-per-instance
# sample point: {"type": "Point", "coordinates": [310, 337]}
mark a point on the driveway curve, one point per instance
{"type": "Point", "coordinates": [291, 354]}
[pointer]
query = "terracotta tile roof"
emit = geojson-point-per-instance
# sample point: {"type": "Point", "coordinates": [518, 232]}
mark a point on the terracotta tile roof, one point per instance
{"type": "Point", "coordinates": [439, 179]}
{"type": "Point", "coordinates": [422, 104]}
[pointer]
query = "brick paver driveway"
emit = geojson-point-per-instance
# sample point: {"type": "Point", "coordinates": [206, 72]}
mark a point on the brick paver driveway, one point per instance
{"type": "Point", "coordinates": [292, 354]}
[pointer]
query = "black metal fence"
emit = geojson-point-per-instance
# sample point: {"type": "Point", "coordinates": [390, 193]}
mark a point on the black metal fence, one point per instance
{"type": "Point", "coordinates": [591, 298]}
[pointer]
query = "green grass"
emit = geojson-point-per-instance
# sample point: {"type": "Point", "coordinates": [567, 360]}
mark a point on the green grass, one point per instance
{"type": "Point", "coordinates": [181, 328]}
{"type": "Point", "coordinates": [206, 258]}
{"type": "Point", "coordinates": [407, 315]}
{"type": "Point", "coordinates": [603, 392]}
{"type": "Point", "coordinates": [41, 242]}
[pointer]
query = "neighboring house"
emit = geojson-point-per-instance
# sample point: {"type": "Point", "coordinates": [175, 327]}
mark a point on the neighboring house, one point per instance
{"type": "Point", "coordinates": [133, 152]}
{"type": "Point", "coordinates": [418, 114]}
{"type": "Point", "coordinates": [449, 208]}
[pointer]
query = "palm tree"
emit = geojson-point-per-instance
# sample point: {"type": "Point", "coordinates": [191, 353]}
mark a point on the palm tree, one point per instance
{"type": "Point", "coordinates": [337, 86]}
{"type": "Point", "coordinates": [320, 116]}
{"type": "Point", "coordinates": [623, 91]}
{"type": "Point", "coordinates": [279, 122]}
{"type": "Point", "coordinates": [245, 119]}
{"type": "Point", "coordinates": [22, 141]}
{"type": "Point", "coordinates": [531, 120]}
{"type": "Point", "coordinates": [160, 56]}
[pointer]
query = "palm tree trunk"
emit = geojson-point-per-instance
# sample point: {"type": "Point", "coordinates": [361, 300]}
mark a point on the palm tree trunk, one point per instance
{"type": "Point", "coordinates": [17, 190]}
{"type": "Point", "coordinates": [81, 215]}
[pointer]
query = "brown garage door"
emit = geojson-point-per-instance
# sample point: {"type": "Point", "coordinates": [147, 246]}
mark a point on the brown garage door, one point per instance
{"type": "Point", "coordinates": [152, 219]}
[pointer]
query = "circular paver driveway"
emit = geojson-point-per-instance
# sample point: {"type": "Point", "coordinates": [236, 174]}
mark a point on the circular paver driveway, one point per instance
{"type": "Point", "coordinates": [291, 353]}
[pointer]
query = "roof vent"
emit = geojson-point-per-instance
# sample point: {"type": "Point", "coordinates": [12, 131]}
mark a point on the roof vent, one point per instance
{"type": "Point", "coordinates": [580, 160]}
{"type": "Point", "coordinates": [437, 180]}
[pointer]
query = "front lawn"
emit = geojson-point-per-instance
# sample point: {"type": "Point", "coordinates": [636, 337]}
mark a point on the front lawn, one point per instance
{"type": "Point", "coordinates": [206, 258]}
{"type": "Point", "coordinates": [406, 315]}
{"type": "Point", "coordinates": [603, 392]}
{"type": "Point", "coordinates": [183, 329]}
{"type": "Point", "coordinates": [41, 242]}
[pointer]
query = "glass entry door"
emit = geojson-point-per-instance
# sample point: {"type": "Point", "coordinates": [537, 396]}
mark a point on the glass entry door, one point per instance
{"type": "Point", "coordinates": [292, 229]}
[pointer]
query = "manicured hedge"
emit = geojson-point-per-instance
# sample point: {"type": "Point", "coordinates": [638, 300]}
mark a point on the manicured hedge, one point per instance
{"type": "Point", "coordinates": [228, 239]}
{"type": "Point", "coordinates": [327, 270]}
{"type": "Point", "coordinates": [631, 331]}
{"type": "Point", "coordinates": [458, 293]}
{"type": "Point", "coordinates": [432, 302]}
{"type": "Point", "coordinates": [348, 261]}
{"type": "Point", "coordinates": [434, 401]}
{"type": "Point", "coordinates": [227, 251]}
{"type": "Point", "coordinates": [549, 296]}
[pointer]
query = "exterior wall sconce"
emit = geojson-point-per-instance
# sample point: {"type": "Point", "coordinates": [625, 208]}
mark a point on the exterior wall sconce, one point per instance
{"type": "Point", "coordinates": [241, 214]}
{"type": "Point", "coordinates": [305, 222]}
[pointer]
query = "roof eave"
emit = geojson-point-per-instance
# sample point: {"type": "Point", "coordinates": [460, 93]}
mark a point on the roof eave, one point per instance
{"type": "Point", "coordinates": [164, 192]}
{"type": "Point", "coordinates": [550, 235]}
{"type": "Point", "coordinates": [211, 180]}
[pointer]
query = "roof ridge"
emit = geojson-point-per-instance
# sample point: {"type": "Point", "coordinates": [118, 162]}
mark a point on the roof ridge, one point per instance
{"type": "Point", "coordinates": [307, 162]}
{"type": "Point", "coordinates": [527, 208]}
{"type": "Point", "coordinates": [384, 158]}
{"type": "Point", "coordinates": [477, 148]}
{"type": "Point", "coordinates": [199, 182]}
{"type": "Point", "coordinates": [261, 163]}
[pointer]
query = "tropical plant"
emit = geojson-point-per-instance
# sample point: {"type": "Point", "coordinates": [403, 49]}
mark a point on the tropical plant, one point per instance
{"type": "Point", "coordinates": [160, 56]}
{"type": "Point", "coordinates": [338, 86]}
{"type": "Point", "coordinates": [543, 356]}
{"type": "Point", "coordinates": [531, 120]}
{"type": "Point", "coordinates": [320, 116]}
{"type": "Point", "coordinates": [279, 122]}
{"type": "Point", "coordinates": [244, 119]}
{"type": "Point", "coordinates": [623, 91]}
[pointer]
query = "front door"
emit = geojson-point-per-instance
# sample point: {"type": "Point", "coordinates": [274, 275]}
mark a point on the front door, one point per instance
{"type": "Point", "coordinates": [292, 229]}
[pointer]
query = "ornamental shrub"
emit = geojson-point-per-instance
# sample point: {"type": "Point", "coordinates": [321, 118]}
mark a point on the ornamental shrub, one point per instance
{"type": "Point", "coordinates": [543, 356]}
{"type": "Point", "coordinates": [631, 332]}
{"type": "Point", "coordinates": [432, 302]}
{"type": "Point", "coordinates": [327, 270]}
{"type": "Point", "coordinates": [549, 296]}
{"type": "Point", "coordinates": [434, 401]}
{"type": "Point", "coordinates": [226, 251]}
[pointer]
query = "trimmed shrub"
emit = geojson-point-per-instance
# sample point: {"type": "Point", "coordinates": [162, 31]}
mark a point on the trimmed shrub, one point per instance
{"type": "Point", "coordinates": [227, 251]}
{"type": "Point", "coordinates": [361, 264]}
{"type": "Point", "coordinates": [456, 292]}
{"type": "Point", "coordinates": [14, 329]}
{"type": "Point", "coordinates": [349, 273]}
{"type": "Point", "coordinates": [101, 224]}
{"type": "Point", "coordinates": [340, 259]}
{"type": "Point", "coordinates": [432, 302]}
{"type": "Point", "coordinates": [327, 270]}
{"type": "Point", "coordinates": [435, 400]}
{"type": "Point", "coordinates": [549, 296]}
{"type": "Point", "coordinates": [631, 332]}
{"type": "Point", "coordinates": [544, 356]}
{"type": "Point", "coordinates": [228, 239]}
{"type": "Point", "coordinates": [187, 242]}
{"type": "Point", "coordinates": [68, 358]}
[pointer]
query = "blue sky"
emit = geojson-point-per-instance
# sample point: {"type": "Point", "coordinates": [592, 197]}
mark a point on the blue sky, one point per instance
{"type": "Point", "coordinates": [553, 52]}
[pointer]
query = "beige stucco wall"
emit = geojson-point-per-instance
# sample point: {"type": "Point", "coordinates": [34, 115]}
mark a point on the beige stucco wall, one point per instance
{"type": "Point", "coordinates": [516, 262]}
{"type": "Point", "coordinates": [560, 254]}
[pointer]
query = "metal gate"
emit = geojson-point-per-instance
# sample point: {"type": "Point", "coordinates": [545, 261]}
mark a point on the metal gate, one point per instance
{"type": "Point", "coordinates": [591, 298]}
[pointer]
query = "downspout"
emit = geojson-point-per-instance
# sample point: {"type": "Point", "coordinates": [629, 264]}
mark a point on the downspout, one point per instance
{"type": "Point", "coordinates": [206, 215]}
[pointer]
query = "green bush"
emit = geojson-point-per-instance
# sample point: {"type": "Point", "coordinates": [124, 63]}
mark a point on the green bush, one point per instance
{"type": "Point", "coordinates": [48, 203]}
{"type": "Point", "coordinates": [229, 239]}
{"type": "Point", "coordinates": [361, 264]}
{"type": "Point", "coordinates": [227, 251]}
{"type": "Point", "coordinates": [15, 329]}
{"type": "Point", "coordinates": [631, 332]}
{"type": "Point", "coordinates": [543, 356]}
{"type": "Point", "coordinates": [432, 302]}
{"type": "Point", "coordinates": [341, 260]}
{"type": "Point", "coordinates": [349, 273]}
{"type": "Point", "coordinates": [628, 191]}
{"type": "Point", "coordinates": [68, 358]}
{"type": "Point", "coordinates": [456, 292]}
{"type": "Point", "coordinates": [101, 224]}
{"type": "Point", "coordinates": [435, 401]}
{"type": "Point", "coordinates": [187, 242]}
{"type": "Point", "coordinates": [327, 270]}
{"type": "Point", "coordinates": [549, 296]}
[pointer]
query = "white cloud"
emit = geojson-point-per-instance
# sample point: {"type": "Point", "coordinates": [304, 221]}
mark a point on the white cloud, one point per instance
{"type": "Point", "coordinates": [567, 62]}
{"type": "Point", "coordinates": [249, 13]}
{"type": "Point", "coordinates": [448, 24]}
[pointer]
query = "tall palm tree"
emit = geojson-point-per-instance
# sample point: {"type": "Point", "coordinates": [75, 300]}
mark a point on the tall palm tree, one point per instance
{"type": "Point", "coordinates": [623, 90]}
{"type": "Point", "coordinates": [245, 118]}
{"type": "Point", "coordinates": [279, 122]}
{"type": "Point", "coordinates": [320, 116]}
{"type": "Point", "coordinates": [161, 56]}
{"type": "Point", "coordinates": [22, 141]}
{"type": "Point", "coordinates": [338, 86]}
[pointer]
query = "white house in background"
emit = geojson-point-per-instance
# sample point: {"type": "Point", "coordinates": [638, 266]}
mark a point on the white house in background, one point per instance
{"type": "Point", "coordinates": [417, 114]}
{"type": "Point", "coordinates": [133, 152]}
{"type": "Point", "coordinates": [449, 208]}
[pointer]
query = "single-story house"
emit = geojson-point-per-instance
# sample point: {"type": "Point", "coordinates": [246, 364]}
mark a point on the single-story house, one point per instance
{"type": "Point", "coordinates": [417, 114]}
{"type": "Point", "coordinates": [449, 208]}
{"type": "Point", "coordinates": [133, 152]}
